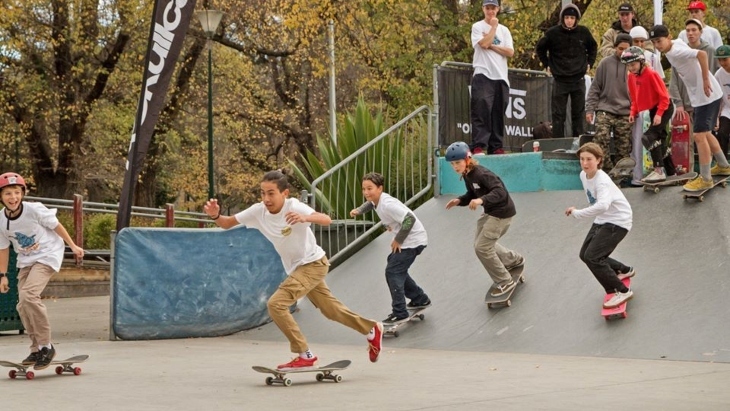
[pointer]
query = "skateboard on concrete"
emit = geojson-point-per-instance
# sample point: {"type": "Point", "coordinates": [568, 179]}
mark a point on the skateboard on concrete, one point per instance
{"type": "Point", "coordinates": [504, 299]}
{"type": "Point", "coordinates": [618, 311]}
{"type": "Point", "coordinates": [670, 181]}
{"type": "Point", "coordinates": [323, 373]}
{"type": "Point", "coordinates": [700, 195]}
{"type": "Point", "coordinates": [26, 370]}
{"type": "Point", "coordinates": [622, 169]}
{"type": "Point", "coordinates": [392, 328]}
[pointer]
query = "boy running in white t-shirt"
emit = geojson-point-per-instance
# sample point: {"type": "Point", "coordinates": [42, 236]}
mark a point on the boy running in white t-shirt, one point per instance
{"type": "Point", "coordinates": [409, 240]}
{"type": "Point", "coordinates": [704, 94]}
{"type": "Point", "coordinates": [286, 223]}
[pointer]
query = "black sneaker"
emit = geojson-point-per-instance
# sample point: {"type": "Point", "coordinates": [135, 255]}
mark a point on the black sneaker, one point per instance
{"type": "Point", "coordinates": [413, 305]}
{"type": "Point", "coordinates": [394, 319]}
{"type": "Point", "coordinates": [45, 357]}
{"type": "Point", "coordinates": [32, 358]}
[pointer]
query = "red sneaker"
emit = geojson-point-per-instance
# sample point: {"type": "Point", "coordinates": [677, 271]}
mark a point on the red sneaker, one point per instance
{"type": "Point", "coordinates": [478, 151]}
{"type": "Point", "coordinates": [376, 343]}
{"type": "Point", "coordinates": [498, 151]}
{"type": "Point", "coordinates": [298, 362]}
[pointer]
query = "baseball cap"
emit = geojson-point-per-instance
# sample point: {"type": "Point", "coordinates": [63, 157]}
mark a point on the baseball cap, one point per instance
{"type": "Point", "coordinates": [658, 31]}
{"type": "Point", "coordinates": [722, 52]}
{"type": "Point", "coordinates": [695, 21]}
{"type": "Point", "coordinates": [490, 3]}
{"type": "Point", "coordinates": [625, 7]}
{"type": "Point", "coordinates": [697, 5]}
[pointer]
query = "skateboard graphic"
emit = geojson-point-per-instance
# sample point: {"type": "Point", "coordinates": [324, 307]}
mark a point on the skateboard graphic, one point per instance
{"type": "Point", "coordinates": [25, 370]}
{"type": "Point", "coordinates": [392, 328]}
{"type": "Point", "coordinates": [681, 147]}
{"type": "Point", "coordinates": [618, 311]}
{"type": "Point", "coordinates": [323, 373]}
{"type": "Point", "coordinates": [622, 169]}
{"type": "Point", "coordinates": [670, 181]}
{"type": "Point", "coordinates": [504, 299]}
{"type": "Point", "coordinates": [700, 195]}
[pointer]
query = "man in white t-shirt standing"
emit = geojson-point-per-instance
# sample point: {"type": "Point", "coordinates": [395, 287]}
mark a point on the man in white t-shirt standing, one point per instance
{"type": "Point", "coordinates": [705, 96]}
{"type": "Point", "coordinates": [711, 35]}
{"type": "Point", "coordinates": [492, 44]}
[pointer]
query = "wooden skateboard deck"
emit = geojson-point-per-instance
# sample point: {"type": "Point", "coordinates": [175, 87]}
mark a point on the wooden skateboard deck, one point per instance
{"type": "Point", "coordinates": [622, 169]}
{"type": "Point", "coordinates": [26, 370]}
{"type": "Point", "coordinates": [323, 373]}
{"type": "Point", "coordinates": [670, 181]}
{"type": "Point", "coordinates": [700, 195]}
{"type": "Point", "coordinates": [616, 312]}
{"type": "Point", "coordinates": [504, 299]}
{"type": "Point", "coordinates": [392, 329]}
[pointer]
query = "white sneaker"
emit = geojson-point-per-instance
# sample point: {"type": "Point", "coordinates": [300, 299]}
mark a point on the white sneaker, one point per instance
{"type": "Point", "coordinates": [503, 289]}
{"type": "Point", "coordinates": [629, 274]}
{"type": "Point", "coordinates": [618, 299]}
{"type": "Point", "coordinates": [654, 177]}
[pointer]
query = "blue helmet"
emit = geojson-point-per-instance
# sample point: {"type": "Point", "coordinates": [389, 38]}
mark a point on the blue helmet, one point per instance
{"type": "Point", "coordinates": [458, 151]}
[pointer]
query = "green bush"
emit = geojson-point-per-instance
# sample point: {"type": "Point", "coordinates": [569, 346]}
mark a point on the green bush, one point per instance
{"type": "Point", "coordinates": [97, 231]}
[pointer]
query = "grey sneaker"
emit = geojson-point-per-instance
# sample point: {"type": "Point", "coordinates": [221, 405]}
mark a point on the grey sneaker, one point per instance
{"type": "Point", "coordinates": [654, 177]}
{"type": "Point", "coordinates": [629, 274]}
{"type": "Point", "coordinates": [618, 299]}
{"type": "Point", "coordinates": [503, 289]}
{"type": "Point", "coordinates": [519, 263]}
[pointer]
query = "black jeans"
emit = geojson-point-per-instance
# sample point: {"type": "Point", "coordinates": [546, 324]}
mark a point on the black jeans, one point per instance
{"type": "Point", "coordinates": [600, 242]}
{"type": "Point", "coordinates": [488, 103]}
{"type": "Point", "coordinates": [577, 93]}
{"type": "Point", "coordinates": [723, 134]}
{"type": "Point", "coordinates": [400, 283]}
{"type": "Point", "coordinates": [655, 140]}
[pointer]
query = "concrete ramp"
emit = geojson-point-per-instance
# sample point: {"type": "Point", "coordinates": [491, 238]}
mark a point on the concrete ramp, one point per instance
{"type": "Point", "coordinates": [680, 249]}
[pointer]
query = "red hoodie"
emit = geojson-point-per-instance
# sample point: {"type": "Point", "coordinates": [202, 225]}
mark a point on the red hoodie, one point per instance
{"type": "Point", "coordinates": [647, 90]}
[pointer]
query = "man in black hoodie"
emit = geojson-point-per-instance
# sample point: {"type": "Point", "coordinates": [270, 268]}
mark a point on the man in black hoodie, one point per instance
{"type": "Point", "coordinates": [626, 21]}
{"type": "Point", "coordinates": [568, 51]}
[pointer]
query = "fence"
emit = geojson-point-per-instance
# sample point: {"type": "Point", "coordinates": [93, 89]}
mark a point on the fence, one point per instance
{"type": "Point", "coordinates": [403, 154]}
{"type": "Point", "coordinates": [78, 207]}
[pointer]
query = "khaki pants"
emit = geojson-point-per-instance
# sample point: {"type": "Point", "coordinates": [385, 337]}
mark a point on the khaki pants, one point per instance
{"type": "Point", "coordinates": [31, 283]}
{"type": "Point", "coordinates": [308, 280]}
{"type": "Point", "coordinates": [494, 257]}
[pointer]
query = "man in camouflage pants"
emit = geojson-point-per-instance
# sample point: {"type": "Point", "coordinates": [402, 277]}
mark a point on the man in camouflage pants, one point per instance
{"type": "Point", "coordinates": [608, 105]}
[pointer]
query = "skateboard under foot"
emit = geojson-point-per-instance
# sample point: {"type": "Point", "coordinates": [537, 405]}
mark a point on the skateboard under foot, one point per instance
{"type": "Point", "coordinates": [27, 371]}
{"type": "Point", "coordinates": [392, 329]}
{"type": "Point", "coordinates": [618, 311]}
{"type": "Point", "coordinates": [670, 181]}
{"type": "Point", "coordinates": [323, 373]}
{"type": "Point", "coordinates": [700, 195]}
{"type": "Point", "coordinates": [505, 299]}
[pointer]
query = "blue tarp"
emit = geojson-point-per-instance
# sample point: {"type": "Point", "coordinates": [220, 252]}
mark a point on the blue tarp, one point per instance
{"type": "Point", "coordinates": [179, 283]}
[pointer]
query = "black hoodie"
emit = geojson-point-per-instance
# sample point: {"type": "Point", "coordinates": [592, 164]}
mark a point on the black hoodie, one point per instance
{"type": "Point", "coordinates": [567, 52]}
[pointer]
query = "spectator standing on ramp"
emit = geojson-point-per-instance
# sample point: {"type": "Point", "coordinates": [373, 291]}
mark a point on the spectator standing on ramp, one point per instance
{"type": "Point", "coordinates": [626, 21]}
{"type": "Point", "coordinates": [722, 54]}
{"type": "Point", "coordinates": [37, 236]}
{"type": "Point", "coordinates": [608, 105]}
{"type": "Point", "coordinates": [612, 221]}
{"type": "Point", "coordinates": [409, 240]}
{"type": "Point", "coordinates": [492, 44]}
{"type": "Point", "coordinates": [286, 223]}
{"type": "Point", "coordinates": [648, 92]}
{"type": "Point", "coordinates": [705, 96]}
{"type": "Point", "coordinates": [486, 189]}
{"type": "Point", "coordinates": [568, 51]}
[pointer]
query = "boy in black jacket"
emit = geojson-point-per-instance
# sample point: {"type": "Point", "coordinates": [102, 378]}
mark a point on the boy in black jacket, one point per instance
{"type": "Point", "coordinates": [484, 188]}
{"type": "Point", "coordinates": [568, 51]}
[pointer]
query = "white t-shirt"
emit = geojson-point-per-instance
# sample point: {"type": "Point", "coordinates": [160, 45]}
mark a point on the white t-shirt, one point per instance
{"type": "Point", "coordinates": [654, 60]}
{"type": "Point", "coordinates": [295, 244]}
{"type": "Point", "coordinates": [392, 212]}
{"type": "Point", "coordinates": [709, 34]}
{"type": "Point", "coordinates": [32, 236]}
{"type": "Point", "coordinates": [607, 203]}
{"type": "Point", "coordinates": [723, 77]}
{"type": "Point", "coordinates": [684, 60]}
{"type": "Point", "coordinates": [489, 62]}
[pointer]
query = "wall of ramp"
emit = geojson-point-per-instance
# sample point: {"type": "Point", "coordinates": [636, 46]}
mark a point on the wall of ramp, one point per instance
{"type": "Point", "coordinates": [179, 283]}
{"type": "Point", "coordinates": [680, 249]}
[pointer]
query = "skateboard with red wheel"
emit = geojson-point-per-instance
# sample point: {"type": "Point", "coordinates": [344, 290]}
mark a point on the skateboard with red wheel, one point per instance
{"type": "Point", "coordinates": [27, 371]}
{"type": "Point", "coordinates": [323, 373]}
{"type": "Point", "coordinates": [618, 311]}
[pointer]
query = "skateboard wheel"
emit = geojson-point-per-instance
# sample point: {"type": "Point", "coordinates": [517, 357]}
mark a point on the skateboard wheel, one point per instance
{"type": "Point", "coordinates": [421, 317]}
{"type": "Point", "coordinates": [702, 198]}
{"type": "Point", "coordinates": [287, 382]}
{"type": "Point", "coordinates": [338, 378]}
{"type": "Point", "coordinates": [269, 380]}
{"type": "Point", "coordinates": [489, 305]}
{"type": "Point", "coordinates": [12, 374]}
{"type": "Point", "coordinates": [509, 303]}
{"type": "Point", "coordinates": [522, 279]}
{"type": "Point", "coordinates": [656, 190]}
{"type": "Point", "coordinates": [59, 370]}
{"type": "Point", "coordinates": [396, 334]}
{"type": "Point", "coordinates": [320, 377]}
{"type": "Point", "coordinates": [77, 370]}
{"type": "Point", "coordinates": [624, 315]}
{"type": "Point", "coordinates": [29, 375]}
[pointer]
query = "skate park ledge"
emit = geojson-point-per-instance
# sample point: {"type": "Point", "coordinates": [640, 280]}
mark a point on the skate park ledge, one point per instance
{"type": "Point", "coordinates": [520, 172]}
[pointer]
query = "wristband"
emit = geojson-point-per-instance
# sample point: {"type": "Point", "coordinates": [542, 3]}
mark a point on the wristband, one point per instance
{"type": "Point", "coordinates": [3, 275]}
{"type": "Point", "coordinates": [216, 217]}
